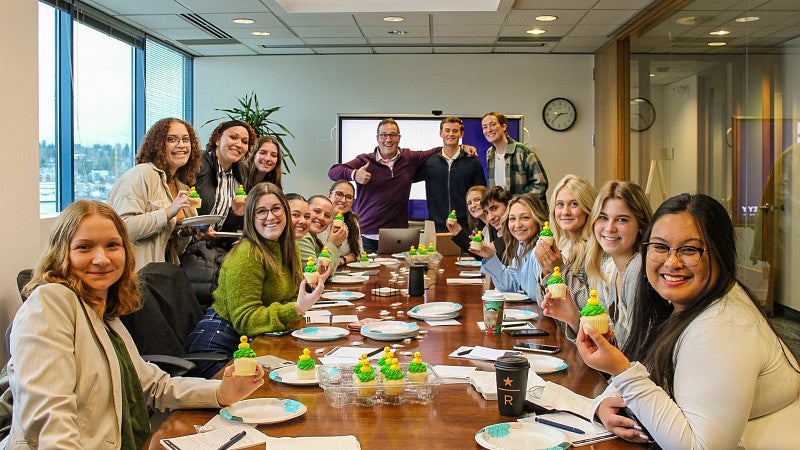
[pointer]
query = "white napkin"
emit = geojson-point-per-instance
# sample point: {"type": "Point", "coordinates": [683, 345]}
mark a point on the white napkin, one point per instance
{"type": "Point", "coordinates": [435, 322]}
{"type": "Point", "coordinates": [453, 374]}
{"type": "Point", "coordinates": [465, 281]}
{"type": "Point", "coordinates": [486, 383]}
{"type": "Point", "coordinates": [555, 396]}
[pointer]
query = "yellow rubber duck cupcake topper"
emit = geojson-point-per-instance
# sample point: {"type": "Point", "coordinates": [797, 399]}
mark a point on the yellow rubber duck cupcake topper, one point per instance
{"type": "Point", "coordinates": [306, 355]}
{"type": "Point", "coordinates": [243, 342]}
{"type": "Point", "coordinates": [593, 300]}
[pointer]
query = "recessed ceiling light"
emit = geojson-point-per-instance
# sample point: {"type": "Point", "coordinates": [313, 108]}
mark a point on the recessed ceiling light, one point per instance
{"type": "Point", "coordinates": [260, 33]}
{"type": "Point", "coordinates": [243, 21]}
{"type": "Point", "coordinates": [747, 19]}
{"type": "Point", "coordinates": [720, 32]}
{"type": "Point", "coordinates": [546, 18]}
{"type": "Point", "coordinates": [652, 75]}
{"type": "Point", "coordinates": [691, 20]}
{"type": "Point", "coordinates": [393, 19]}
{"type": "Point", "coordinates": [717, 44]}
{"type": "Point", "coordinates": [536, 31]}
{"type": "Point", "coordinates": [398, 32]}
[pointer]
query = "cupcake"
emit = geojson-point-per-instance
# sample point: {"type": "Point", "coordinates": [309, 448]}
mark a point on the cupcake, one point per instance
{"type": "Point", "coordinates": [194, 198]}
{"type": "Point", "coordinates": [241, 195]}
{"type": "Point", "coordinates": [594, 315]}
{"type": "Point", "coordinates": [477, 241]}
{"type": "Point", "coordinates": [338, 220]}
{"type": "Point", "coordinates": [324, 259]}
{"type": "Point", "coordinates": [422, 254]}
{"type": "Point", "coordinates": [244, 359]}
{"type": "Point", "coordinates": [386, 357]}
{"type": "Point", "coordinates": [417, 370]}
{"type": "Point", "coordinates": [451, 218]}
{"type": "Point", "coordinates": [306, 368]}
{"type": "Point", "coordinates": [310, 271]}
{"type": "Point", "coordinates": [364, 259]}
{"type": "Point", "coordinates": [555, 284]}
{"type": "Point", "coordinates": [387, 363]}
{"type": "Point", "coordinates": [357, 367]}
{"type": "Point", "coordinates": [412, 255]}
{"type": "Point", "coordinates": [364, 379]}
{"type": "Point", "coordinates": [394, 382]}
{"type": "Point", "coordinates": [546, 235]}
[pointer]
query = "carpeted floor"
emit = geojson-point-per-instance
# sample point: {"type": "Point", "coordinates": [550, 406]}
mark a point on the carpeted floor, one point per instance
{"type": "Point", "coordinates": [789, 331]}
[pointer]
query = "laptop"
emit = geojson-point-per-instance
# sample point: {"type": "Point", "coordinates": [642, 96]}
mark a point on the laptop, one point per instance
{"type": "Point", "coordinates": [395, 240]}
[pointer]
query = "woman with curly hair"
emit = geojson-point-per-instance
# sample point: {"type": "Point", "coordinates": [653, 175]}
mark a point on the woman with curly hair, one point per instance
{"type": "Point", "coordinates": [264, 163]}
{"type": "Point", "coordinates": [76, 377]}
{"type": "Point", "coordinates": [152, 196]}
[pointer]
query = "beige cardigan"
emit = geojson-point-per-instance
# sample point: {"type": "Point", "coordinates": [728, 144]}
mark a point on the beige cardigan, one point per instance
{"type": "Point", "coordinates": [140, 196]}
{"type": "Point", "coordinates": [65, 376]}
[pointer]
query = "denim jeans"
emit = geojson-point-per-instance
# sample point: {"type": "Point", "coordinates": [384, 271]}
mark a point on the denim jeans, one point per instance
{"type": "Point", "coordinates": [369, 245]}
{"type": "Point", "coordinates": [215, 335]}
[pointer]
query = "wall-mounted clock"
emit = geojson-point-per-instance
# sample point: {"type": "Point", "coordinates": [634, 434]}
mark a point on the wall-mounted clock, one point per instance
{"type": "Point", "coordinates": [559, 114]}
{"type": "Point", "coordinates": [643, 114]}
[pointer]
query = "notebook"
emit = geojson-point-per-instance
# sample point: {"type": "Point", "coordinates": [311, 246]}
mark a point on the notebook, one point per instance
{"type": "Point", "coordinates": [395, 240]}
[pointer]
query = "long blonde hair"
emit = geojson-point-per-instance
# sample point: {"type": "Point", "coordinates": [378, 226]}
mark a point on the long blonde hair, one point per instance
{"type": "Point", "coordinates": [635, 199]}
{"type": "Point", "coordinates": [584, 193]}
{"type": "Point", "coordinates": [54, 265]}
{"type": "Point", "coordinates": [539, 212]}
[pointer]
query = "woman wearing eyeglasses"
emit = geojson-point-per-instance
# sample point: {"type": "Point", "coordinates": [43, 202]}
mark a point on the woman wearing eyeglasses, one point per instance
{"type": "Point", "coordinates": [258, 282]}
{"type": "Point", "coordinates": [342, 194]}
{"type": "Point", "coordinates": [708, 371]}
{"type": "Point", "coordinates": [264, 163]}
{"type": "Point", "coordinates": [152, 196]}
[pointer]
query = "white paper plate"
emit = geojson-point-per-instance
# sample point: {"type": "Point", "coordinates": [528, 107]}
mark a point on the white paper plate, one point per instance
{"type": "Point", "coordinates": [545, 363]}
{"type": "Point", "coordinates": [391, 330]}
{"type": "Point", "coordinates": [519, 314]}
{"type": "Point", "coordinates": [264, 410]}
{"type": "Point", "coordinates": [195, 221]}
{"type": "Point", "coordinates": [320, 333]}
{"type": "Point", "coordinates": [470, 263]}
{"type": "Point", "coordinates": [433, 317]}
{"type": "Point", "coordinates": [342, 295]}
{"type": "Point", "coordinates": [348, 279]}
{"type": "Point", "coordinates": [363, 265]}
{"type": "Point", "coordinates": [521, 436]}
{"type": "Point", "coordinates": [511, 296]}
{"type": "Point", "coordinates": [288, 375]}
{"type": "Point", "coordinates": [436, 308]}
{"type": "Point", "coordinates": [387, 261]}
{"type": "Point", "coordinates": [401, 255]}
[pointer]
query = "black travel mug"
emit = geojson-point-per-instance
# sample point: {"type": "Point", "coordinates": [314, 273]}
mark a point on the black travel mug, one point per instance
{"type": "Point", "coordinates": [416, 280]}
{"type": "Point", "coordinates": [512, 384]}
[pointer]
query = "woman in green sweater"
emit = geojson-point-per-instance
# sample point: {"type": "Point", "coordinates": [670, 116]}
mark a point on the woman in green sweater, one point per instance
{"type": "Point", "coordinates": [258, 281]}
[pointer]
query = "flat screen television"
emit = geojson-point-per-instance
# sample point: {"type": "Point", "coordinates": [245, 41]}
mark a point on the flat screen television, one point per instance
{"type": "Point", "coordinates": [418, 132]}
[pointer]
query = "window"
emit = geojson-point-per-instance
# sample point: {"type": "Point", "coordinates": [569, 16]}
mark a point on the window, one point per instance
{"type": "Point", "coordinates": [94, 108]}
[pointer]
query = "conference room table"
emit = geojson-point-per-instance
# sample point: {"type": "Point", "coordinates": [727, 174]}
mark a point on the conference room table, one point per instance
{"type": "Point", "coordinates": [457, 411]}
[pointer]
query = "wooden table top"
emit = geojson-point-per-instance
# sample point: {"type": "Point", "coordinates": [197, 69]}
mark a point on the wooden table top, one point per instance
{"type": "Point", "coordinates": [457, 411]}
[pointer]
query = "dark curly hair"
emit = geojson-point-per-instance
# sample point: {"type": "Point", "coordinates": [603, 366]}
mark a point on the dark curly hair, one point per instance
{"type": "Point", "coordinates": [153, 149]}
{"type": "Point", "coordinates": [211, 146]}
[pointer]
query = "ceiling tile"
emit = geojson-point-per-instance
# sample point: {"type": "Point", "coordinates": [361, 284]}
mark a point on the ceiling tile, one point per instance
{"type": "Point", "coordinates": [271, 41]}
{"type": "Point", "coordinates": [410, 50]}
{"type": "Point", "coordinates": [335, 41]}
{"type": "Point", "coordinates": [448, 18]}
{"type": "Point", "coordinates": [565, 17]}
{"type": "Point", "coordinates": [376, 20]}
{"type": "Point", "coordinates": [413, 32]}
{"type": "Point", "coordinates": [161, 21]}
{"type": "Point", "coordinates": [322, 32]}
{"type": "Point", "coordinates": [341, 50]}
{"type": "Point", "coordinates": [402, 40]}
{"type": "Point", "coordinates": [466, 50]}
{"type": "Point", "coordinates": [318, 20]}
{"type": "Point", "coordinates": [554, 4]}
{"type": "Point", "coordinates": [216, 6]}
{"type": "Point", "coordinates": [286, 51]}
{"type": "Point", "coordinates": [125, 7]}
{"type": "Point", "coordinates": [466, 30]}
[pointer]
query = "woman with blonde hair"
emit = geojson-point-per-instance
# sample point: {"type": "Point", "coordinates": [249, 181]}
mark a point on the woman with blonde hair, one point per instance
{"type": "Point", "coordinates": [76, 377]}
{"type": "Point", "coordinates": [570, 205]}
{"type": "Point", "coordinates": [620, 215]}
{"type": "Point", "coordinates": [521, 224]}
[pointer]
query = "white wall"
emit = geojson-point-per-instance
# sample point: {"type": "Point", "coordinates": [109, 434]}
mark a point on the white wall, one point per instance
{"type": "Point", "coordinates": [19, 191]}
{"type": "Point", "coordinates": [313, 89]}
{"type": "Point", "coordinates": [680, 99]}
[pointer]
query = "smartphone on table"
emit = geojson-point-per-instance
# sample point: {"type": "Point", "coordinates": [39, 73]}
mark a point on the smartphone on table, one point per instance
{"type": "Point", "coordinates": [538, 348]}
{"type": "Point", "coordinates": [527, 332]}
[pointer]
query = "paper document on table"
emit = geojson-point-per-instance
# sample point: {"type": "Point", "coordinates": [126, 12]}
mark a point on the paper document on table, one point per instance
{"type": "Point", "coordinates": [435, 323]}
{"type": "Point", "coordinates": [331, 304]}
{"type": "Point", "coordinates": [470, 273]}
{"type": "Point", "coordinates": [481, 353]}
{"type": "Point", "coordinates": [592, 433]}
{"type": "Point", "coordinates": [216, 438]}
{"type": "Point", "coordinates": [465, 281]}
{"type": "Point", "coordinates": [350, 355]}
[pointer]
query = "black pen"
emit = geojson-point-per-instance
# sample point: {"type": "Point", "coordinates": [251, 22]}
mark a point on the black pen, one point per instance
{"type": "Point", "coordinates": [463, 352]}
{"type": "Point", "coordinates": [559, 425]}
{"type": "Point", "coordinates": [236, 438]}
{"type": "Point", "coordinates": [374, 352]}
{"type": "Point", "coordinates": [169, 444]}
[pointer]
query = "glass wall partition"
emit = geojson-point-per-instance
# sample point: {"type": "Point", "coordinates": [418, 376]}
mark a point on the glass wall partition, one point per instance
{"type": "Point", "coordinates": [715, 109]}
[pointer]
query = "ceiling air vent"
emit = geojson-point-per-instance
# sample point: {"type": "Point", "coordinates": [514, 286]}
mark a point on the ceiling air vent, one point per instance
{"type": "Point", "coordinates": [206, 26]}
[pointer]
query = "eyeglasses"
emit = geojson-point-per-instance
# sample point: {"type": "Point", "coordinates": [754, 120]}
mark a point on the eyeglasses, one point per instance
{"type": "Point", "coordinates": [341, 195]}
{"type": "Point", "coordinates": [262, 213]}
{"type": "Point", "coordinates": [175, 139]}
{"type": "Point", "coordinates": [389, 135]}
{"type": "Point", "coordinates": [658, 253]}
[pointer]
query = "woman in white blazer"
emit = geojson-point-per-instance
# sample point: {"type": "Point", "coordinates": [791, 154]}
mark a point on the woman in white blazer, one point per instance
{"type": "Point", "coordinates": [76, 377]}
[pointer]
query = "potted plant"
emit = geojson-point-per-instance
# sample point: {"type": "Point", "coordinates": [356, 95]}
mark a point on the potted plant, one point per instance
{"type": "Point", "coordinates": [251, 112]}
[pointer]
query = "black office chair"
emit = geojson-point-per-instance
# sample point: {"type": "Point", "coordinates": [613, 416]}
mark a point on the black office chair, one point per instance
{"type": "Point", "coordinates": [23, 277]}
{"type": "Point", "coordinates": [168, 314]}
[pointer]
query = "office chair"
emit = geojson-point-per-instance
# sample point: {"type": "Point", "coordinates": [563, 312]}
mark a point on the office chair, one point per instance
{"type": "Point", "coordinates": [168, 314]}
